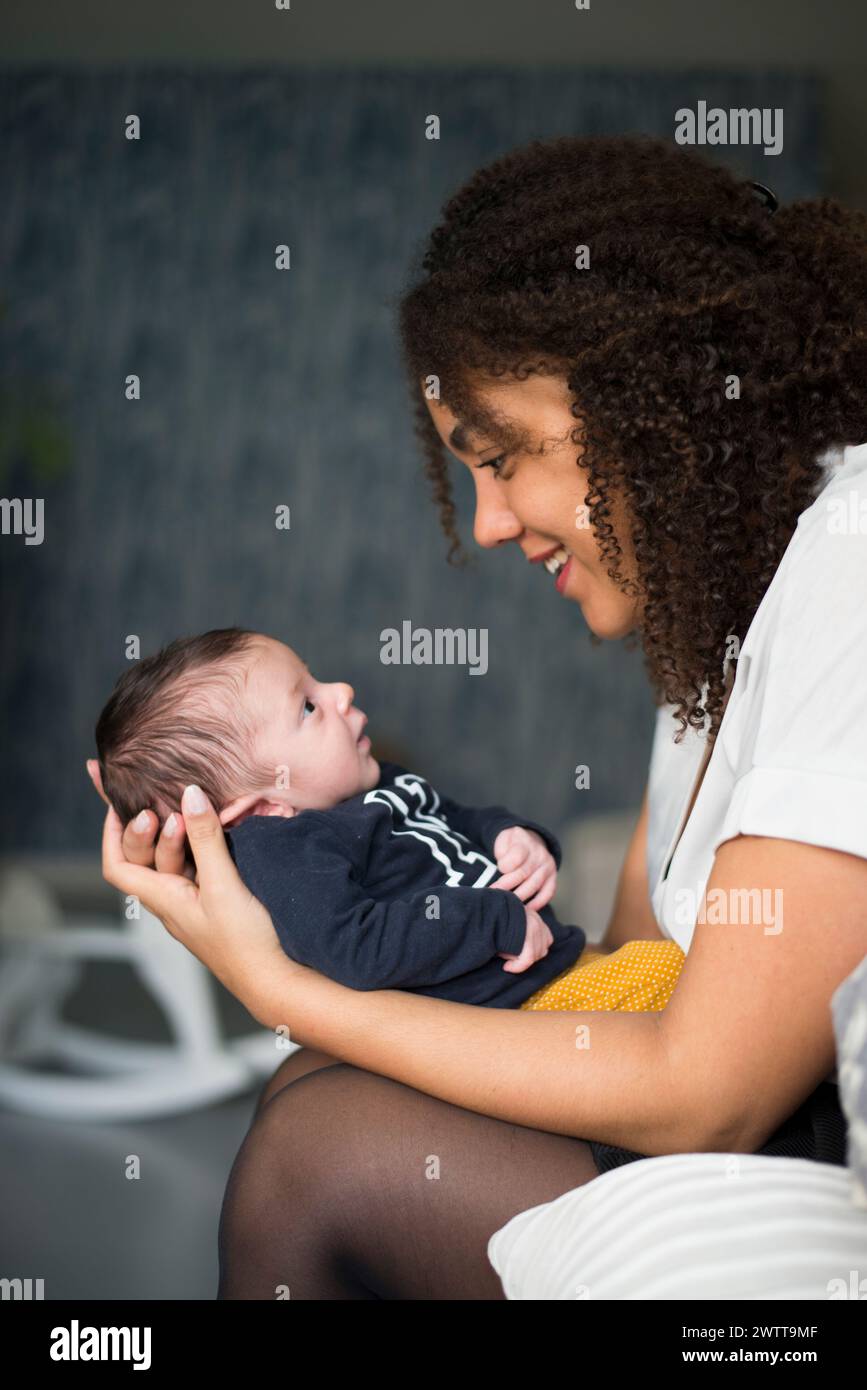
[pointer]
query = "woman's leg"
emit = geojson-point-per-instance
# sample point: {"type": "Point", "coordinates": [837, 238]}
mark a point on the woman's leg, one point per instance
{"type": "Point", "coordinates": [352, 1186]}
{"type": "Point", "coordinates": [302, 1061]}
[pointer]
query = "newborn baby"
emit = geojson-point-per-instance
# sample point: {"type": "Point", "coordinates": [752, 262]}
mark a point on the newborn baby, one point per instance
{"type": "Point", "coordinates": [370, 876]}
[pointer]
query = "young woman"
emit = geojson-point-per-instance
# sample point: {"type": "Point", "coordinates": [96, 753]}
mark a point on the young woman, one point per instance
{"type": "Point", "coordinates": [657, 382]}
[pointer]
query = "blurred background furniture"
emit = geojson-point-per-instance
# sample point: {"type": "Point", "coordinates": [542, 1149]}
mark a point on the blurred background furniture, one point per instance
{"type": "Point", "coordinates": [161, 1043]}
{"type": "Point", "coordinates": [594, 848]}
{"type": "Point", "coordinates": [51, 1065]}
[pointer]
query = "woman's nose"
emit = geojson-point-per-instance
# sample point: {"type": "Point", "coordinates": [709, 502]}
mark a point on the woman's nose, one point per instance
{"type": "Point", "coordinates": [494, 522]}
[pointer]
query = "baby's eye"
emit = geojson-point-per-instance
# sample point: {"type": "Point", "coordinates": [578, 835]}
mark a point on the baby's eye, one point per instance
{"type": "Point", "coordinates": [310, 703]}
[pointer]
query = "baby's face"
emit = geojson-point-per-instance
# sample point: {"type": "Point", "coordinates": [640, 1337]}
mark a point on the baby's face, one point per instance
{"type": "Point", "coordinates": [310, 734]}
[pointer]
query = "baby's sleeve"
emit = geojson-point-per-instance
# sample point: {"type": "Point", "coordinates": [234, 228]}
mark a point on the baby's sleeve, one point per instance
{"type": "Point", "coordinates": [482, 824]}
{"type": "Point", "coordinates": [301, 870]}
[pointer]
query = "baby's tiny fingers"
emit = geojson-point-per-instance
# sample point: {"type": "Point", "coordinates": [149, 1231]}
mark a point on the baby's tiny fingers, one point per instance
{"type": "Point", "coordinates": [509, 881]}
{"type": "Point", "coordinates": [545, 893]}
{"type": "Point", "coordinates": [531, 884]}
{"type": "Point", "coordinates": [516, 966]}
{"type": "Point", "coordinates": [512, 859]}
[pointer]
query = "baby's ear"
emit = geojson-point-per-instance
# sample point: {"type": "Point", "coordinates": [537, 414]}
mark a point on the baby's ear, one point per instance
{"type": "Point", "coordinates": [253, 804]}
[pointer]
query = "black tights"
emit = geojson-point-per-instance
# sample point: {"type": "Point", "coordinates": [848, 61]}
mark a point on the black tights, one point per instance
{"type": "Point", "coordinates": [352, 1186]}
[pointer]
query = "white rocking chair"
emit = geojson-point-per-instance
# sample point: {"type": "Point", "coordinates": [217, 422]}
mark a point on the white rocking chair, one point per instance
{"type": "Point", "coordinates": [42, 956]}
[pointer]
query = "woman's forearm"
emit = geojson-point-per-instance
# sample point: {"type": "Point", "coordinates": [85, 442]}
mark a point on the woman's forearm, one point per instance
{"type": "Point", "coordinates": [591, 1075]}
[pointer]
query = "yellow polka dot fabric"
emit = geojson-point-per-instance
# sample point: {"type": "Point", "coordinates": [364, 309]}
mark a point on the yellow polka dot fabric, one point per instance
{"type": "Point", "coordinates": [639, 977]}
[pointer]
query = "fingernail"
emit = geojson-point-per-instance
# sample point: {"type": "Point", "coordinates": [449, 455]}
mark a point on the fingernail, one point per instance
{"type": "Point", "coordinates": [141, 821]}
{"type": "Point", "coordinates": [197, 802]}
{"type": "Point", "coordinates": [171, 825]}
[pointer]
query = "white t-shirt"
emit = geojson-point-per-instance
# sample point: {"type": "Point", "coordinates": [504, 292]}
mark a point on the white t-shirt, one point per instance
{"type": "Point", "coordinates": [790, 760]}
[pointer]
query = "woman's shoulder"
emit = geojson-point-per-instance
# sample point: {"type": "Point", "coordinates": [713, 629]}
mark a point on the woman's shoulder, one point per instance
{"type": "Point", "coordinates": [806, 646]}
{"type": "Point", "coordinates": [790, 759]}
{"type": "Point", "coordinates": [815, 604]}
{"type": "Point", "coordinates": [798, 708]}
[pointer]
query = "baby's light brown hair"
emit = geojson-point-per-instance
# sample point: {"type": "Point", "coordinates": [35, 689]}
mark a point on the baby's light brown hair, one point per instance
{"type": "Point", "coordinates": [179, 717]}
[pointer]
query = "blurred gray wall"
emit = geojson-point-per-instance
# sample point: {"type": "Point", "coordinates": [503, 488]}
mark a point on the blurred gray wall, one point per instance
{"type": "Point", "coordinates": [262, 388]}
{"type": "Point", "coordinates": [666, 36]}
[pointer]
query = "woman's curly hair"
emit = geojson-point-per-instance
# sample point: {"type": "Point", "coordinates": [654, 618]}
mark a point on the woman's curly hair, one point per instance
{"type": "Point", "coordinates": [691, 282]}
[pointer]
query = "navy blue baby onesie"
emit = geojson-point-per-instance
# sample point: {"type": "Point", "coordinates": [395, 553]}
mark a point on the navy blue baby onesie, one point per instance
{"type": "Point", "coordinates": [388, 890]}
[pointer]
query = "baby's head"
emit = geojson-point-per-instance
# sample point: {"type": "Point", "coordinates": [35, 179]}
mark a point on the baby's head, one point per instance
{"type": "Point", "coordinates": [240, 715]}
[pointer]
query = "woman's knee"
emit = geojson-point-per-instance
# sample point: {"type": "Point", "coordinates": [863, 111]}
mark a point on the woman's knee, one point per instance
{"type": "Point", "coordinates": [277, 1220]}
{"type": "Point", "coordinates": [393, 1187]}
{"type": "Point", "coordinates": [300, 1150]}
{"type": "Point", "coordinates": [303, 1061]}
{"type": "Point", "coordinates": [324, 1135]}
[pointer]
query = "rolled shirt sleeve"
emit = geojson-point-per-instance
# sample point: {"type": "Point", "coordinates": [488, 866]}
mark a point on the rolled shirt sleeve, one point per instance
{"type": "Point", "coordinates": [799, 735]}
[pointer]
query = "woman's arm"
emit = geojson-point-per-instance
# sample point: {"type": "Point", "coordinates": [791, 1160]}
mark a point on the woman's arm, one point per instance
{"type": "Point", "coordinates": [747, 1035]}
{"type": "Point", "coordinates": [750, 1017]}
{"type": "Point", "coordinates": [632, 916]}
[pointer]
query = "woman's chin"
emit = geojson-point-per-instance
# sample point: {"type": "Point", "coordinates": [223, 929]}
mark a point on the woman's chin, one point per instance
{"type": "Point", "coordinates": [607, 620]}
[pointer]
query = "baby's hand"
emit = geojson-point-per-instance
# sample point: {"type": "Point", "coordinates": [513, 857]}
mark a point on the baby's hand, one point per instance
{"type": "Point", "coordinates": [527, 866]}
{"type": "Point", "coordinates": [537, 943]}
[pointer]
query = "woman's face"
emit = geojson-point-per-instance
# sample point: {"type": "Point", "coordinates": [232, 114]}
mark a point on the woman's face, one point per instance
{"type": "Point", "coordinates": [537, 499]}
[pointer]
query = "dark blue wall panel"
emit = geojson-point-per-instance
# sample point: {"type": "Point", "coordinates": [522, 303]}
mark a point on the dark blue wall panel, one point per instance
{"type": "Point", "coordinates": [157, 258]}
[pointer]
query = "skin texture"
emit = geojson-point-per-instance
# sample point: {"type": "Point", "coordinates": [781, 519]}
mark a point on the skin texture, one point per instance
{"type": "Point", "coordinates": [748, 1033]}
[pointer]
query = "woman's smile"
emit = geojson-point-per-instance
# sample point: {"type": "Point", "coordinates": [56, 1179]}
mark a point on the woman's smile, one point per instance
{"type": "Point", "coordinates": [562, 575]}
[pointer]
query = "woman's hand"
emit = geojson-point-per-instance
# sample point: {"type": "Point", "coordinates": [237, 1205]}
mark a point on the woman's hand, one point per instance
{"type": "Point", "coordinates": [169, 856]}
{"type": "Point", "coordinates": [215, 917]}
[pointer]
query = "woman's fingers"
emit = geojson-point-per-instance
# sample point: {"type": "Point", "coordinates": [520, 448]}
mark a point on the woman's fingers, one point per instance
{"type": "Point", "coordinates": [217, 875]}
{"type": "Point", "coordinates": [175, 901]}
{"type": "Point", "coordinates": [170, 855]}
{"type": "Point", "coordinates": [138, 838]}
{"type": "Point", "coordinates": [117, 868]}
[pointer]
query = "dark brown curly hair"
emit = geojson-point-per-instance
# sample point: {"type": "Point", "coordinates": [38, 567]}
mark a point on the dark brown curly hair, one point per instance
{"type": "Point", "coordinates": [691, 281]}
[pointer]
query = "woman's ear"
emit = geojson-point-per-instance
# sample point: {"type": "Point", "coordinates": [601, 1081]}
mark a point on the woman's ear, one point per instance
{"type": "Point", "coordinates": [253, 804]}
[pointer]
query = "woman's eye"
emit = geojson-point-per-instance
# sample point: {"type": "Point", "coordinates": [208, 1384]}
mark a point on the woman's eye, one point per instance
{"type": "Point", "coordinates": [310, 703]}
{"type": "Point", "coordinates": [495, 463]}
